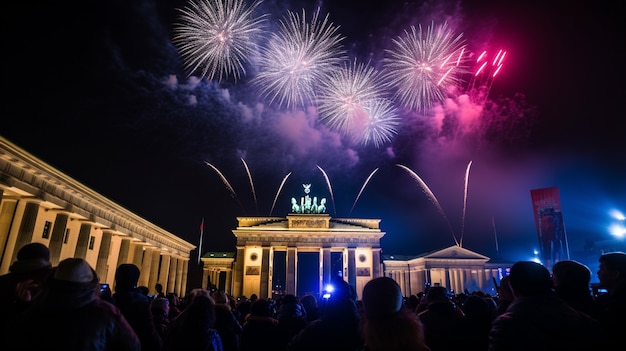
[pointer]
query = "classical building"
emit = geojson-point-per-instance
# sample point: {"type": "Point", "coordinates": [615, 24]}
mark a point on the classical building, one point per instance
{"type": "Point", "coordinates": [301, 252]}
{"type": "Point", "coordinates": [41, 204]}
{"type": "Point", "coordinates": [296, 254]}
{"type": "Point", "coordinates": [454, 267]}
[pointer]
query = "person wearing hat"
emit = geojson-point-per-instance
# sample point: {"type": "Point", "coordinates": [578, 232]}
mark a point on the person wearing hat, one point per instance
{"type": "Point", "coordinates": [387, 325]}
{"type": "Point", "coordinates": [70, 316]}
{"type": "Point", "coordinates": [135, 306]}
{"type": "Point", "coordinates": [22, 285]}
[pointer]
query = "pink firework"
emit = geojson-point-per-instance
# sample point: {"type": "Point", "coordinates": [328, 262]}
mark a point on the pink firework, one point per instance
{"type": "Point", "coordinates": [482, 79]}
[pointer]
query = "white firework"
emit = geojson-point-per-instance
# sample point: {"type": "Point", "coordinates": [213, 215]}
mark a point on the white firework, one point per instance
{"type": "Point", "coordinates": [343, 96]}
{"type": "Point", "coordinates": [297, 59]}
{"type": "Point", "coordinates": [423, 66]}
{"type": "Point", "coordinates": [381, 124]}
{"type": "Point", "coordinates": [216, 37]}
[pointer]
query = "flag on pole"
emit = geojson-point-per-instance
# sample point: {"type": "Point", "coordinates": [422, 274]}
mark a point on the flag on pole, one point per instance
{"type": "Point", "coordinates": [550, 227]}
{"type": "Point", "coordinates": [200, 244]}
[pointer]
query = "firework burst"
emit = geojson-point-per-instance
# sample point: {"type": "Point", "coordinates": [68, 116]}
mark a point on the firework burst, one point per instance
{"type": "Point", "coordinates": [216, 37]}
{"type": "Point", "coordinates": [423, 66]}
{"type": "Point", "coordinates": [343, 95]}
{"type": "Point", "coordinates": [381, 123]}
{"type": "Point", "coordinates": [297, 59]}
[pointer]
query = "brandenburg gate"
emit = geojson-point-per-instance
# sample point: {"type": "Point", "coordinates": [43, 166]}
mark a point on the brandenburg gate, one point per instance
{"type": "Point", "coordinates": [346, 247]}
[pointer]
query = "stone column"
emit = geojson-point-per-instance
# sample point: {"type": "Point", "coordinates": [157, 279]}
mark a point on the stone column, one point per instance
{"type": "Point", "coordinates": [351, 267]}
{"type": "Point", "coordinates": [376, 264]}
{"type": "Point", "coordinates": [56, 238]}
{"type": "Point", "coordinates": [237, 284]}
{"type": "Point", "coordinates": [124, 251]}
{"type": "Point", "coordinates": [136, 252]}
{"type": "Point", "coordinates": [146, 267]}
{"type": "Point", "coordinates": [171, 281]}
{"type": "Point", "coordinates": [290, 283]}
{"type": "Point", "coordinates": [183, 278]}
{"type": "Point", "coordinates": [228, 284]}
{"type": "Point", "coordinates": [326, 266]}
{"type": "Point", "coordinates": [265, 274]}
{"type": "Point", "coordinates": [27, 227]}
{"type": "Point", "coordinates": [180, 270]}
{"type": "Point", "coordinates": [102, 265]}
{"type": "Point", "coordinates": [165, 269]}
{"type": "Point", "coordinates": [153, 277]}
{"type": "Point", "coordinates": [83, 240]}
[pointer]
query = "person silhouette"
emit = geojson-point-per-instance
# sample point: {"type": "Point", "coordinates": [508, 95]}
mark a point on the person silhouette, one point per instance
{"type": "Point", "coordinates": [538, 319]}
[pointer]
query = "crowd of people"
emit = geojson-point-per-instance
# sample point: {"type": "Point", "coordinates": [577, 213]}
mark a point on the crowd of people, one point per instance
{"type": "Point", "coordinates": [64, 308]}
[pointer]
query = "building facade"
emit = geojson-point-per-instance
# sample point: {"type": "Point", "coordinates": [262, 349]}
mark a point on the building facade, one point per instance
{"type": "Point", "coordinates": [346, 247]}
{"type": "Point", "coordinates": [302, 252]}
{"type": "Point", "coordinates": [41, 204]}
{"type": "Point", "coordinates": [456, 268]}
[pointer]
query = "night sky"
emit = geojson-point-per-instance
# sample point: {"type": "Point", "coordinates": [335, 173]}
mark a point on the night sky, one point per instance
{"type": "Point", "coordinates": [99, 91]}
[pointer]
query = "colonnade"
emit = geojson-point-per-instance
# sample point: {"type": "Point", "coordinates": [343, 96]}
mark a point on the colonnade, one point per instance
{"type": "Point", "coordinates": [41, 204]}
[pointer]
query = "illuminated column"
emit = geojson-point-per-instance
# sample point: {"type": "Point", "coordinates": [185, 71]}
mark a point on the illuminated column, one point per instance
{"type": "Point", "coordinates": [180, 271]}
{"type": "Point", "coordinates": [351, 267]}
{"type": "Point", "coordinates": [377, 270]}
{"type": "Point", "coordinates": [124, 251]}
{"type": "Point", "coordinates": [153, 277]}
{"type": "Point", "coordinates": [171, 282]}
{"type": "Point", "coordinates": [326, 266]}
{"type": "Point", "coordinates": [136, 251]}
{"type": "Point", "coordinates": [184, 270]}
{"type": "Point", "coordinates": [83, 240]}
{"type": "Point", "coordinates": [8, 214]}
{"type": "Point", "coordinates": [290, 283]}
{"type": "Point", "coordinates": [237, 285]}
{"type": "Point", "coordinates": [455, 279]}
{"type": "Point", "coordinates": [209, 278]}
{"type": "Point", "coordinates": [402, 281]}
{"type": "Point", "coordinates": [228, 284]}
{"type": "Point", "coordinates": [145, 268]}
{"type": "Point", "coordinates": [165, 269]}
{"type": "Point", "coordinates": [264, 289]}
{"type": "Point", "coordinates": [102, 266]}
{"type": "Point", "coordinates": [56, 238]}
{"type": "Point", "coordinates": [27, 227]}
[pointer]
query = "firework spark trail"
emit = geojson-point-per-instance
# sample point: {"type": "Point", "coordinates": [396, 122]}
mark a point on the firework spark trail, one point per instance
{"type": "Point", "coordinates": [423, 65]}
{"type": "Point", "coordinates": [467, 171]}
{"type": "Point", "coordinates": [226, 183]}
{"type": "Point", "coordinates": [483, 77]}
{"type": "Point", "coordinates": [245, 165]}
{"type": "Point", "coordinates": [296, 60]}
{"type": "Point", "coordinates": [342, 96]}
{"type": "Point", "coordinates": [217, 36]}
{"type": "Point", "coordinates": [431, 196]}
{"type": "Point", "coordinates": [330, 189]}
{"type": "Point", "coordinates": [278, 192]}
{"type": "Point", "coordinates": [361, 191]}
